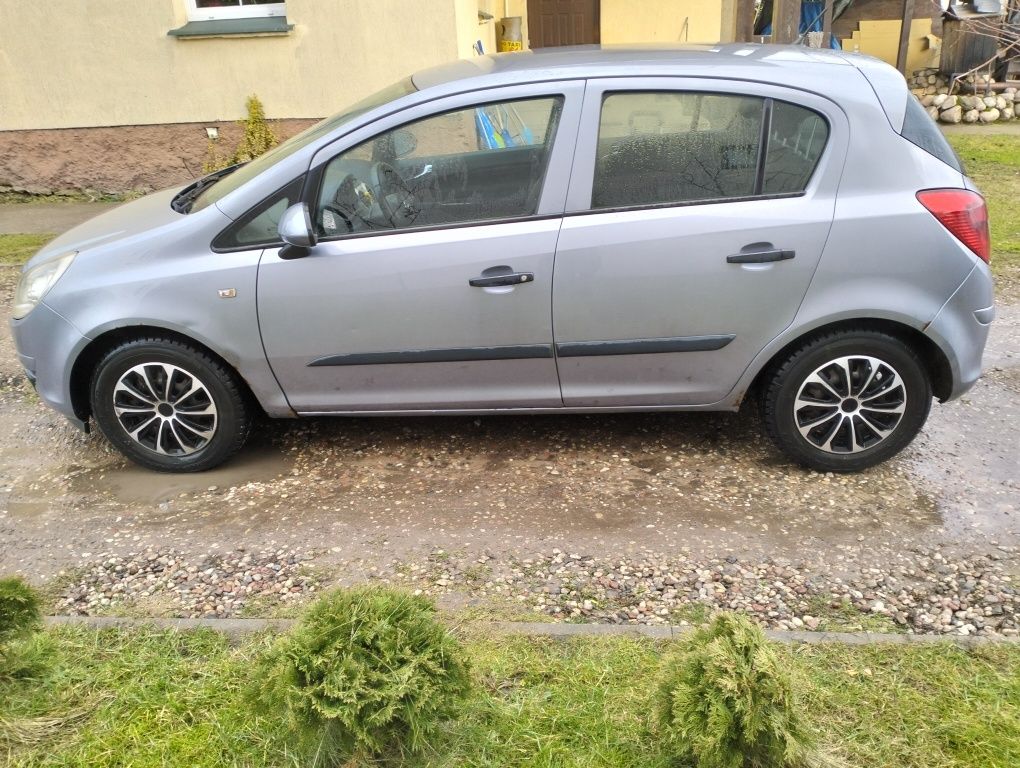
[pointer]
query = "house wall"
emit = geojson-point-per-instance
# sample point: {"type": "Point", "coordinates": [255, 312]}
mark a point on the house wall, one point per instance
{"type": "Point", "coordinates": [75, 64]}
{"type": "Point", "coordinates": [662, 21]}
{"type": "Point", "coordinates": [94, 95]}
{"type": "Point", "coordinates": [470, 30]}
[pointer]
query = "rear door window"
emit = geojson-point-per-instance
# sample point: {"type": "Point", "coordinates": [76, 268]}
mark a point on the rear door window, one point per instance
{"type": "Point", "coordinates": [658, 148]}
{"type": "Point", "coordinates": [670, 147]}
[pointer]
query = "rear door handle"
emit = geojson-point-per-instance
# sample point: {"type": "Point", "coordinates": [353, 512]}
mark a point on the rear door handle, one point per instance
{"type": "Point", "coordinates": [510, 278]}
{"type": "Point", "coordinates": [760, 253]}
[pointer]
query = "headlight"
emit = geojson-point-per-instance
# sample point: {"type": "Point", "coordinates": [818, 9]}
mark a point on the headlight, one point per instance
{"type": "Point", "coordinates": [37, 281]}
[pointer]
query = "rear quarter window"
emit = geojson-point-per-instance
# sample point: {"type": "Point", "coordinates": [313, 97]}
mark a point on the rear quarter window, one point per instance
{"type": "Point", "coordinates": [920, 129]}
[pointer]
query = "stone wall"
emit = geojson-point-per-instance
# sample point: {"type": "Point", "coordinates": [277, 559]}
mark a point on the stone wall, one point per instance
{"type": "Point", "coordinates": [988, 104]}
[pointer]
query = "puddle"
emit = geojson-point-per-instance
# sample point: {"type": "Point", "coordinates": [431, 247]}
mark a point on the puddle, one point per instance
{"type": "Point", "coordinates": [130, 484]}
{"type": "Point", "coordinates": [26, 508]}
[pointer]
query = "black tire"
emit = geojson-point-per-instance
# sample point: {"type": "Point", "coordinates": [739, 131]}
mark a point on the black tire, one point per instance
{"type": "Point", "coordinates": [826, 447]}
{"type": "Point", "coordinates": [204, 430]}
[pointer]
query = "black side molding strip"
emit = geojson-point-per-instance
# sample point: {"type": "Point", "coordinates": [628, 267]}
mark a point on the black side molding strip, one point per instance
{"type": "Point", "coordinates": [643, 346]}
{"type": "Point", "coordinates": [531, 351]}
{"type": "Point", "coordinates": [454, 355]}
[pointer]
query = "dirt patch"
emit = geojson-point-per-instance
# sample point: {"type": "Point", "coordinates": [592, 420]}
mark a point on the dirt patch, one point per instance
{"type": "Point", "coordinates": [119, 159]}
{"type": "Point", "coordinates": [363, 494]}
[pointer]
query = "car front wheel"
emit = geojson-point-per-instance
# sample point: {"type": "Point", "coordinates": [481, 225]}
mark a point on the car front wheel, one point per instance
{"type": "Point", "coordinates": [847, 401]}
{"type": "Point", "coordinates": [168, 406]}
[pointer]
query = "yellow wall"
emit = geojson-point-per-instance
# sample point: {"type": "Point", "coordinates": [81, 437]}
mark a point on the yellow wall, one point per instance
{"type": "Point", "coordinates": [469, 30]}
{"type": "Point", "coordinates": [77, 64]}
{"type": "Point", "coordinates": [497, 9]}
{"type": "Point", "coordinates": [661, 21]}
{"type": "Point", "coordinates": [882, 40]}
{"type": "Point", "coordinates": [70, 63]}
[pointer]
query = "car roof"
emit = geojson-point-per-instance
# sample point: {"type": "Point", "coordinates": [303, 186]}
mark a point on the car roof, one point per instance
{"type": "Point", "coordinates": [838, 76]}
{"type": "Point", "coordinates": [771, 62]}
{"type": "Point", "coordinates": [825, 72]}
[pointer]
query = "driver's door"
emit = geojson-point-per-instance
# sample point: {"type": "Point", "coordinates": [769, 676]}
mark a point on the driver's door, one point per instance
{"type": "Point", "coordinates": [382, 314]}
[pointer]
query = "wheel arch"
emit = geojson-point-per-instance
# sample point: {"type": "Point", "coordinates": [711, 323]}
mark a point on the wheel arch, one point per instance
{"type": "Point", "coordinates": [90, 355]}
{"type": "Point", "coordinates": [936, 363]}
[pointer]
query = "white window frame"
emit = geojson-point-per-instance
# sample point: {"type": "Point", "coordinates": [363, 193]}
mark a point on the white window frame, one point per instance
{"type": "Point", "coordinates": [238, 12]}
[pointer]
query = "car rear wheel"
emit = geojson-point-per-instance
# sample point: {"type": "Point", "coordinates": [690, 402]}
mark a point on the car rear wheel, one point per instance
{"type": "Point", "coordinates": [168, 406]}
{"type": "Point", "coordinates": [847, 401]}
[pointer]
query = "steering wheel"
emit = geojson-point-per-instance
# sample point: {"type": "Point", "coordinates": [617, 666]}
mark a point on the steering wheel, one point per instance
{"type": "Point", "coordinates": [352, 202]}
{"type": "Point", "coordinates": [397, 203]}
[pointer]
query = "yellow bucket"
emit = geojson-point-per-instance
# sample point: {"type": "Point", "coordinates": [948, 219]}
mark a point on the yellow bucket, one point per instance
{"type": "Point", "coordinates": [508, 35]}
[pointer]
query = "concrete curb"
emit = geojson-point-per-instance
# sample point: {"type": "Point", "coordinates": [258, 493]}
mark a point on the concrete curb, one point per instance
{"type": "Point", "coordinates": [238, 628]}
{"type": "Point", "coordinates": [232, 628]}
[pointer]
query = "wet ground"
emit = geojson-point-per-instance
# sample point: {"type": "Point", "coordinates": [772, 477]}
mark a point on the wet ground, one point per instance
{"type": "Point", "coordinates": [18, 218]}
{"type": "Point", "coordinates": [373, 491]}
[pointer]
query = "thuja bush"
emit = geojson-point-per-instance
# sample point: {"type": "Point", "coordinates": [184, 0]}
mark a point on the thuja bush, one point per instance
{"type": "Point", "coordinates": [19, 611]}
{"type": "Point", "coordinates": [727, 700]}
{"type": "Point", "coordinates": [257, 139]}
{"type": "Point", "coordinates": [23, 654]}
{"type": "Point", "coordinates": [366, 672]}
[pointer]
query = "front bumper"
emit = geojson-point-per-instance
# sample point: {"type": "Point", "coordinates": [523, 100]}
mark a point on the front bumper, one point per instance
{"type": "Point", "coordinates": [961, 328]}
{"type": "Point", "coordinates": [47, 346]}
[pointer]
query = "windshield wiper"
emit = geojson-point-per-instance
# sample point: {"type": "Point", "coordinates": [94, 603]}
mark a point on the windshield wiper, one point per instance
{"type": "Point", "coordinates": [182, 203]}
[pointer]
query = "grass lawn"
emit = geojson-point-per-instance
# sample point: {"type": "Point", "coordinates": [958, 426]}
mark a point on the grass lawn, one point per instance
{"type": "Point", "coordinates": [993, 161]}
{"type": "Point", "coordinates": [157, 698]}
{"type": "Point", "coordinates": [16, 249]}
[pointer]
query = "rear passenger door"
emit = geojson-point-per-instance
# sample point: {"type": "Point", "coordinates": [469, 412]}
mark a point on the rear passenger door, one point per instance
{"type": "Point", "coordinates": [696, 214]}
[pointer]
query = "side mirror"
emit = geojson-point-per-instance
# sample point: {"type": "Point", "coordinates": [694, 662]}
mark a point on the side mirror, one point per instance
{"type": "Point", "coordinates": [296, 229]}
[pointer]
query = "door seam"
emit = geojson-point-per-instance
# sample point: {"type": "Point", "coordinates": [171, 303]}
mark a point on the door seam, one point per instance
{"type": "Point", "coordinates": [556, 245]}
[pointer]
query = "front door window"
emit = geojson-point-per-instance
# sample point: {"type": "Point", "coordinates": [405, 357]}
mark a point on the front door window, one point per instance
{"type": "Point", "coordinates": [485, 163]}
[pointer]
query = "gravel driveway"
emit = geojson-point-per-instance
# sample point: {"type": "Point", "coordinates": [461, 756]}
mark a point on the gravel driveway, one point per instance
{"type": "Point", "coordinates": [534, 515]}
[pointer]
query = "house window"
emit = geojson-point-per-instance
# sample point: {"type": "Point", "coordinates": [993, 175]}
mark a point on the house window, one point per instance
{"type": "Point", "coordinates": [210, 10]}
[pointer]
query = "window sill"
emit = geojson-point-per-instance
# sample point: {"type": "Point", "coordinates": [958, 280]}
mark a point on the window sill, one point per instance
{"type": "Point", "coordinates": [253, 27]}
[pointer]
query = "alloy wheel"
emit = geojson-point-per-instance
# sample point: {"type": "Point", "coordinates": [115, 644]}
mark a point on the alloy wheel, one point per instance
{"type": "Point", "coordinates": [165, 409]}
{"type": "Point", "coordinates": [850, 404]}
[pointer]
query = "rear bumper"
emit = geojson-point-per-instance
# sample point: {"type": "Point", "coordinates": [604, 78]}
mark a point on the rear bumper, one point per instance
{"type": "Point", "coordinates": [960, 329]}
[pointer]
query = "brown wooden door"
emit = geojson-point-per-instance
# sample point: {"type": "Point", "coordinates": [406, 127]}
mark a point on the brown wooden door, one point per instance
{"type": "Point", "coordinates": [562, 22]}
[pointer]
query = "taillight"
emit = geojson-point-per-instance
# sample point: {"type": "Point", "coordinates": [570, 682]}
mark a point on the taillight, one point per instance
{"type": "Point", "coordinates": [964, 214]}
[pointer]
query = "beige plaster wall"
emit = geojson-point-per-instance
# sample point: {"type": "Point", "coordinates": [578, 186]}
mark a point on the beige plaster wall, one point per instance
{"type": "Point", "coordinates": [72, 63]}
{"type": "Point", "coordinates": [470, 29]}
{"type": "Point", "coordinates": [662, 21]}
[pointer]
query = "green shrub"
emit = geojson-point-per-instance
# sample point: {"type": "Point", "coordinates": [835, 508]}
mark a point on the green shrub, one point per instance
{"type": "Point", "coordinates": [19, 610]}
{"type": "Point", "coordinates": [28, 659]}
{"type": "Point", "coordinates": [22, 654]}
{"type": "Point", "coordinates": [257, 139]}
{"type": "Point", "coordinates": [366, 672]}
{"type": "Point", "coordinates": [727, 700]}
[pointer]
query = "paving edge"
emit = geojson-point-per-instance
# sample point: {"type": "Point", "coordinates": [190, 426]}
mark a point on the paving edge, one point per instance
{"type": "Point", "coordinates": [236, 628]}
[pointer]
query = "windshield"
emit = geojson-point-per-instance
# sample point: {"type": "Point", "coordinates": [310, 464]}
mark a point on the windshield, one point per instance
{"type": "Point", "coordinates": [249, 171]}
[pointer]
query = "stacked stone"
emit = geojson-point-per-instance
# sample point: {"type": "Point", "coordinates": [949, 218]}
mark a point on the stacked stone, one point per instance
{"type": "Point", "coordinates": [928, 82]}
{"type": "Point", "coordinates": [932, 90]}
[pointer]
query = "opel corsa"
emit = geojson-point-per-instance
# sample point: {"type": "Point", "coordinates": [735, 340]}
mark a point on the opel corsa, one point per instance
{"type": "Point", "coordinates": [577, 230]}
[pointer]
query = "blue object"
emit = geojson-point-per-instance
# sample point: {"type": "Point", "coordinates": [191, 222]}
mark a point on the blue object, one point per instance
{"type": "Point", "coordinates": [811, 13]}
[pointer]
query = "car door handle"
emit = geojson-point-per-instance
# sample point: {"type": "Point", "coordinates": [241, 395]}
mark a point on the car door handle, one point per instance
{"type": "Point", "coordinates": [760, 253]}
{"type": "Point", "coordinates": [510, 278]}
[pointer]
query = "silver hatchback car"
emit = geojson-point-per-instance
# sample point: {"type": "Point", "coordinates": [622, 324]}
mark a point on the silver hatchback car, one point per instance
{"type": "Point", "coordinates": [577, 230]}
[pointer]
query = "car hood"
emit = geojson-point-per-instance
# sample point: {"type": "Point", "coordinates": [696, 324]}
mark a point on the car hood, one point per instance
{"type": "Point", "coordinates": [139, 218]}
